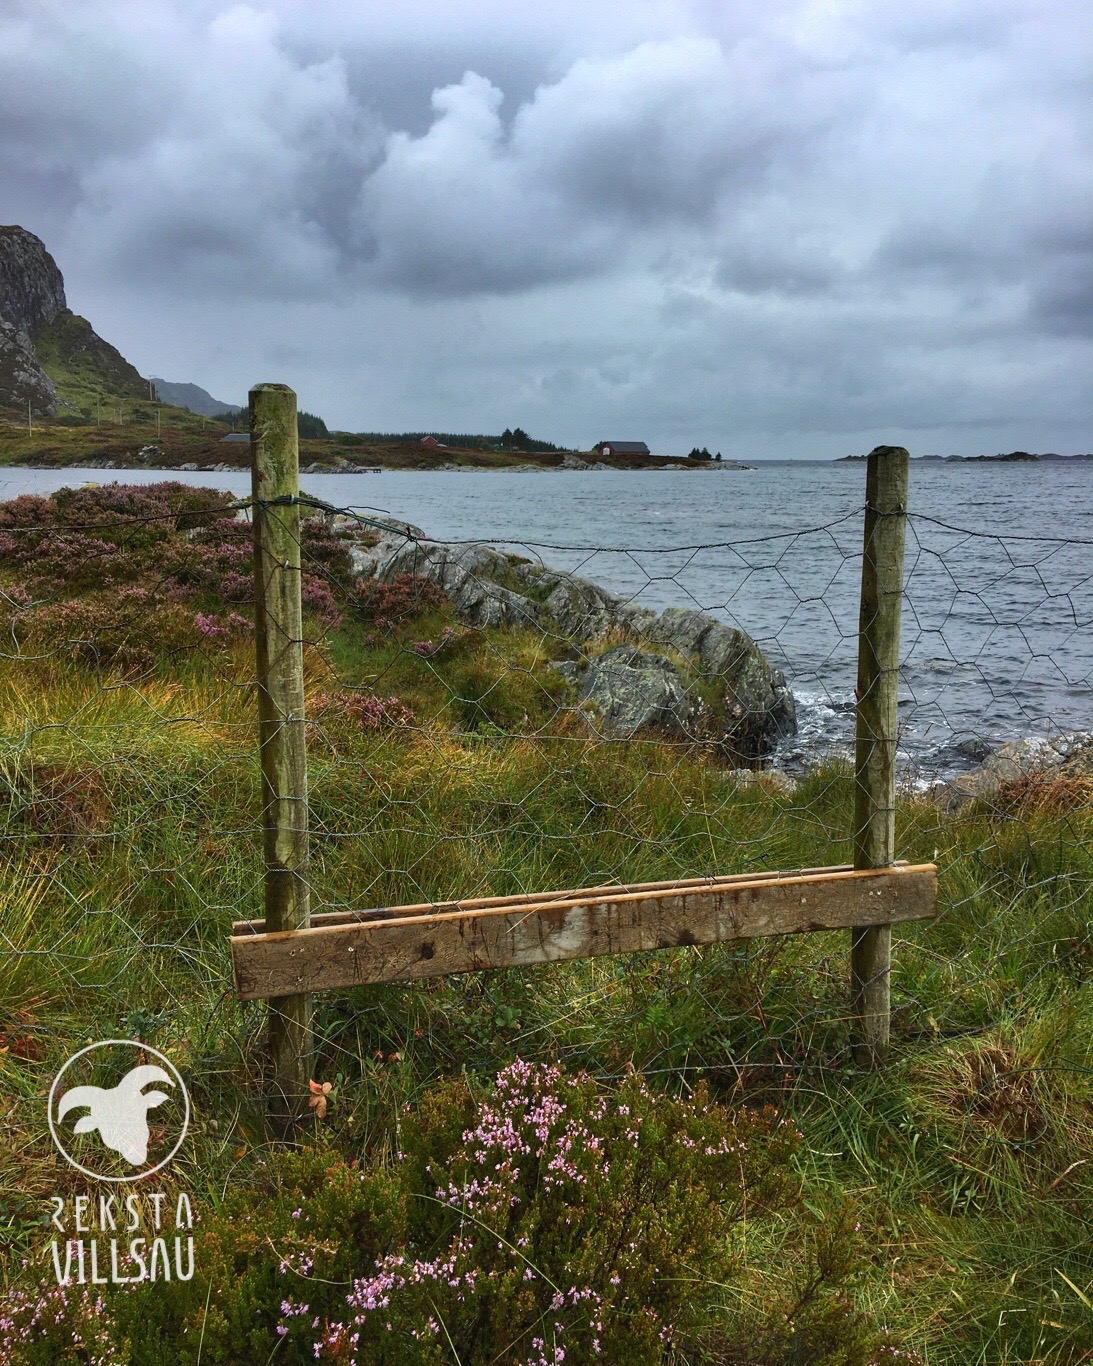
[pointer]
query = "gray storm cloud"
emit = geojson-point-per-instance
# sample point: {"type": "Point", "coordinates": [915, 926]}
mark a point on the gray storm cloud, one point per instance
{"type": "Point", "coordinates": [780, 216]}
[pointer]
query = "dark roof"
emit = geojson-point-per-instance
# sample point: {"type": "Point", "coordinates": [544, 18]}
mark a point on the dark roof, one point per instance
{"type": "Point", "coordinates": [629, 447]}
{"type": "Point", "coordinates": [236, 436]}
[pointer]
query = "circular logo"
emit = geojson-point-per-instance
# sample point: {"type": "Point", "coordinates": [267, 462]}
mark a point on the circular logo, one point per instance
{"type": "Point", "coordinates": [118, 1110]}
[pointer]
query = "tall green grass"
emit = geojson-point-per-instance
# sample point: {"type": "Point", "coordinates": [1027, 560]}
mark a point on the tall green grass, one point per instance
{"type": "Point", "coordinates": [129, 838]}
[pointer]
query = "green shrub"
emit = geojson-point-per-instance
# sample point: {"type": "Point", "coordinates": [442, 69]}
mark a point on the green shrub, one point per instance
{"type": "Point", "coordinates": [299, 1229]}
{"type": "Point", "coordinates": [556, 1221]}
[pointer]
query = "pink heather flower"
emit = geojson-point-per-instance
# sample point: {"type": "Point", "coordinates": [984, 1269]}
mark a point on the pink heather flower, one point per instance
{"type": "Point", "coordinates": [209, 626]}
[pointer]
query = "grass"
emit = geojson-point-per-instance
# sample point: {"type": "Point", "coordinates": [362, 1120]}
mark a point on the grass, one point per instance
{"type": "Point", "coordinates": [85, 370]}
{"type": "Point", "coordinates": [129, 832]}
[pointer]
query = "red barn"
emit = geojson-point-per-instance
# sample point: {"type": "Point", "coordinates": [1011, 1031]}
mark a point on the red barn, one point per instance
{"type": "Point", "coordinates": [623, 448]}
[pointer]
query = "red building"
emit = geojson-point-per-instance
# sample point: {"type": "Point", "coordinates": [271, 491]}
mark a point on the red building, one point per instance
{"type": "Point", "coordinates": [622, 448]}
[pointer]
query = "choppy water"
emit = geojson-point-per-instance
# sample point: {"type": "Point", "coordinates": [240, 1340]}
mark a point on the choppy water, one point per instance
{"type": "Point", "coordinates": [998, 621]}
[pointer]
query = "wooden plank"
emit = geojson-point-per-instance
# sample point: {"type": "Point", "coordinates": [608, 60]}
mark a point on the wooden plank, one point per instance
{"type": "Point", "coordinates": [539, 898]}
{"type": "Point", "coordinates": [403, 948]}
{"type": "Point", "coordinates": [874, 830]}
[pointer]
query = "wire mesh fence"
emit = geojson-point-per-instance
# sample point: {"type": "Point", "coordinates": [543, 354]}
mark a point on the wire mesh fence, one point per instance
{"type": "Point", "coordinates": [488, 719]}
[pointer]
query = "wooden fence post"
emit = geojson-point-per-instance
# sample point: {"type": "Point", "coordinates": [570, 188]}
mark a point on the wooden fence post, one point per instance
{"type": "Point", "coordinates": [875, 767]}
{"type": "Point", "coordinates": [275, 475]}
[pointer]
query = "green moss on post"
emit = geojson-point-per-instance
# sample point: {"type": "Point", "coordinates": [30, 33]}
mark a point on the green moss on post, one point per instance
{"type": "Point", "coordinates": [875, 770]}
{"type": "Point", "coordinates": [281, 726]}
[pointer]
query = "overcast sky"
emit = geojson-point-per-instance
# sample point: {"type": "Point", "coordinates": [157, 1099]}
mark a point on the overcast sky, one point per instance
{"type": "Point", "coordinates": [773, 228]}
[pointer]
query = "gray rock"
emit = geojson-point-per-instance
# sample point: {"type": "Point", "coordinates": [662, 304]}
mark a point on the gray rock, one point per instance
{"type": "Point", "coordinates": [756, 699]}
{"type": "Point", "coordinates": [973, 748]}
{"type": "Point", "coordinates": [635, 691]}
{"type": "Point", "coordinates": [22, 379]}
{"type": "Point", "coordinates": [32, 289]}
{"type": "Point", "coordinates": [574, 462]}
{"type": "Point", "coordinates": [1069, 755]}
{"type": "Point", "coordinates": [468, 574]}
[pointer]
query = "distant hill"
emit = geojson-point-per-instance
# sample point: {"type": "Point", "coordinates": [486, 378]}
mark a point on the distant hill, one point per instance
{"type": "Point", "coordinates": [193, 398]}
{"type": "Point", "coordinates": [50, 357]}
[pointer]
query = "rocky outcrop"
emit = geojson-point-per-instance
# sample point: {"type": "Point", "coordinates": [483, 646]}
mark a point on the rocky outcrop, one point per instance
{"type": "Point", "coordinates": [1062, 756]}
{"type": "Point", "coordinates": [631, 690]}
{"type": "Point", "coordinates": [679, 672]}
{"type": "Point", "coordinates": [23, 382]}
{"type": "Point", "coordinates": [32, 293]}
{"type": "Point", "coordinates": [574, 462]}
{"type": "Point", "coordinates": [50, 357]}
{"type": "Point", "coordinates": [32, 289]}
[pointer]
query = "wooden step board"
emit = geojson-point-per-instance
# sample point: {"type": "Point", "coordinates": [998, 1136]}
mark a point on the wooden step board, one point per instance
{"type": "Point", "coordinates": [401, 943]}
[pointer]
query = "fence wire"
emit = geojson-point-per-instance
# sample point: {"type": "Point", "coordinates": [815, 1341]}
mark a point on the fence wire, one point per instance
{"type": "Point", "coordinates": [488, 718]}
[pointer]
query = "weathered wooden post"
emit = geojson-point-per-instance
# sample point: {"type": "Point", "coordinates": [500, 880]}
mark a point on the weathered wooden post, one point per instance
{"type": "Point", "coordinates": [278, 623]}
{"type": "Point", "coordinates": [875, 767]}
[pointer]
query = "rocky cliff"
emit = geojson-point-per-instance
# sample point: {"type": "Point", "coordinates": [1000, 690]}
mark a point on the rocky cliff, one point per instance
{"type": "Point", "coordinates": [23, 382]}
{"type": "Point", "coordinates": [32, 288]}
{"type": "Point", "coordinates": [50, 357]}
{"type": "Point", "coordinates": [32, 293]}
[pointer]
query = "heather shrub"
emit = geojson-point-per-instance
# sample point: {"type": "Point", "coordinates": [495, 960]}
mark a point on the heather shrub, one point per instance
{"type": "Point", "coordinates": [173, 505]}
{"type": "Point", "coordinates": [27, 511]}
{"type": "Point", "coordinates": [386, 604]}
{"type": "Point", "coordinates": [365, 710]}
{"type": "Point", "coordinates": [547, 1221]}
{"type": "Point", "coordinates": [58, 1326]}
{"type": "Point", "coordinates": [554, 1221]}
{"type": "Point", "coordinates": [319, 601]}
{"type": "Point", "coordinates": [185, 544]}
{"type": "Point", "coordinates": [122, 634]}
{"type": "Point", "coordinates": [297, 1231]}
{"type": "Point", "coordinates": [323, 551]}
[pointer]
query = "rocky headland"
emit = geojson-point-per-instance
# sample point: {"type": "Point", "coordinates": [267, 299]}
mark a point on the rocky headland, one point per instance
{"type": "Point", "coordinates": [678, 674]}
{"type": "Point", "coordinates": [51, 359]}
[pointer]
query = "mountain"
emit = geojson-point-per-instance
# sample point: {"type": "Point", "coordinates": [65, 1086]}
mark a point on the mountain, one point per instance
{"type": "Point", "coordinates": [50, 357]}
{"type": "Point", "coordinates": [193, 398]}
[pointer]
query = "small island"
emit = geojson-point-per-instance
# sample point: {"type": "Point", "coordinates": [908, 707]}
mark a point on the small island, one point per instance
{"type": "Point", "coordinates": [1014, 457]}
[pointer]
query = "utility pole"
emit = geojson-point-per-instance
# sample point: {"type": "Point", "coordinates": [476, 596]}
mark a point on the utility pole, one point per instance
{"type": "Point", "coordinates": [157, 422]}
{"type": "Point", "coordinates": [30, 420]}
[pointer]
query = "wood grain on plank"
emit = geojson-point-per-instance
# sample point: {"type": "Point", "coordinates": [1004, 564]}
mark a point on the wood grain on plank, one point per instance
{"type": "Point", "coordinates": [433, 944]}
{"type": "Point", "coordinates": [526, 898]}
